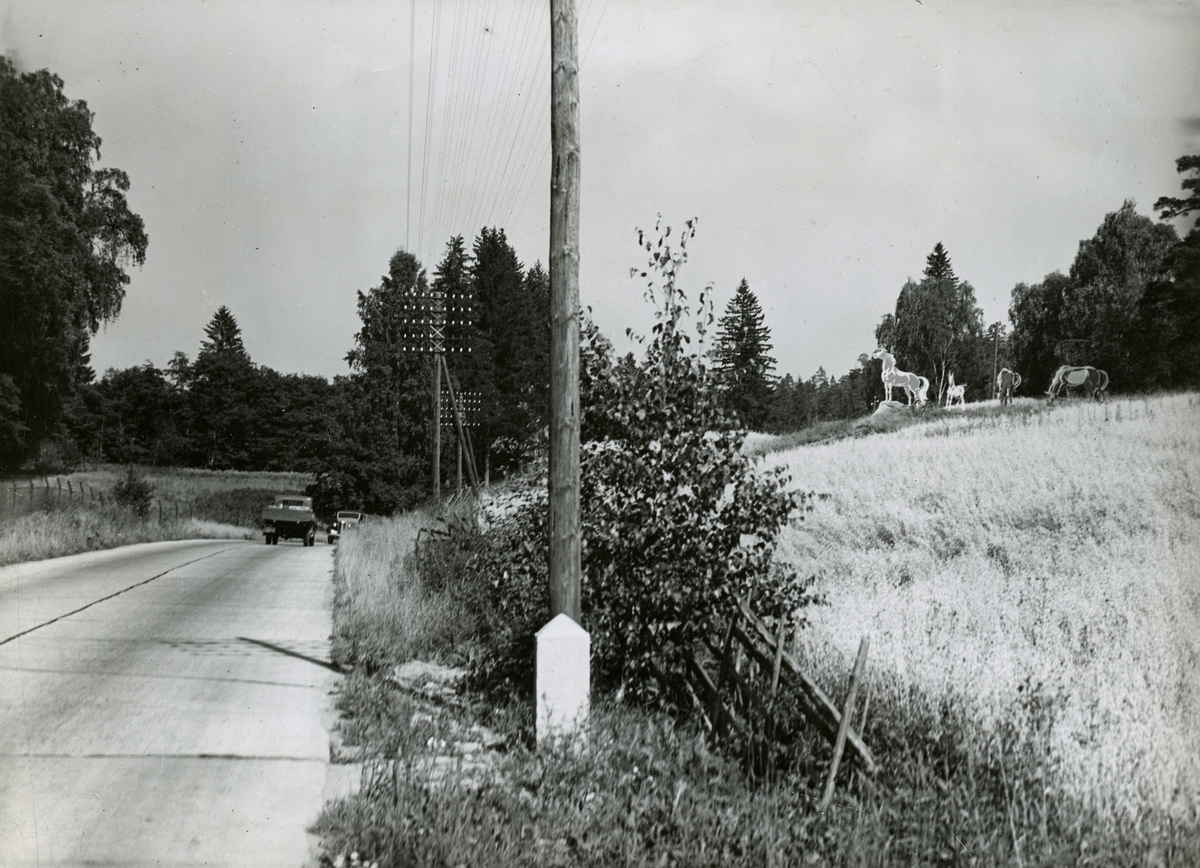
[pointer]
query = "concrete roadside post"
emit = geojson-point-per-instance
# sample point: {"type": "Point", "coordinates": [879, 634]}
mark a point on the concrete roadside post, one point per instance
{"type": "Point", "coordinates": [564, 672]}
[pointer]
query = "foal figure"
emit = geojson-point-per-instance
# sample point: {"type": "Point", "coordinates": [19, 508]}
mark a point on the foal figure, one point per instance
{"type": "Point", "coordinates": [956, 393]}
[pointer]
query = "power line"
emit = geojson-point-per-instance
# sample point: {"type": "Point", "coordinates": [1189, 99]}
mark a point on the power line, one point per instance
{"type": "Point", "coordinates": [412, 60]}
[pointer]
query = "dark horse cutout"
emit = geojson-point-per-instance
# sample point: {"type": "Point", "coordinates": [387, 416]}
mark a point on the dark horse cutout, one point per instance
{"type": "Point", "coordinates": [1092, 381]}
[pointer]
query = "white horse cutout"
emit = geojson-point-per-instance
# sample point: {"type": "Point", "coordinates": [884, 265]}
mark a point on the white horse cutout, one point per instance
{"type": "Point", "coordinates": [956, 393]}
{"type": "Point", "coordinates": [916, 387]}
{"type": "Point", "coordinates": [1007, 382]}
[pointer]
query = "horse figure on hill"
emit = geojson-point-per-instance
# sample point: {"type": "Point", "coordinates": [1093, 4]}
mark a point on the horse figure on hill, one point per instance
{"type": "Point", "coordinates": [1007, 382]}
{"type": "Point", "coordinates": [1092, 381]}
{"type": "Point", "coordinates": [956, 393]}
{"type": "Point", "coordinates": [916, 387]}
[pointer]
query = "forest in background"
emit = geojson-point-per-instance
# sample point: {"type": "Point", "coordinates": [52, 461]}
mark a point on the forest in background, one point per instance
{"type": "Point", "coordinates": [1128, 304]}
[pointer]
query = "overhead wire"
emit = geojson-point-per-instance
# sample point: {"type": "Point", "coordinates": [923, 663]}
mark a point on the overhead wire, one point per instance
{"type": "Point", "coordinates": [502, 110]}
{"type": "Point", "coordinates": [412, 66]}
{"type": "Point", "coordinates": [524, 119]}
{"type": "Point", "coordinates": [441, 194]}
{"type": "Point", "coordinates": [477, 167]}
{"type": "Point", "coordinates": [488, 113]}
{"type": "Point", "coordinates": [430, 93]}
{"type": "Point", "coordinates": [450, 118]}
{"type": "Point", "coordinates": [541, 161]}
{"type": "Point", "coordinates": [476, 78]}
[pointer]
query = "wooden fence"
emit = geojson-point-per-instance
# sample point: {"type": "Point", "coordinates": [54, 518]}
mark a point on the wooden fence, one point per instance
{"type": "Point", "coordinates": [22, 496]}
{"type": "Point", "coordinates": [740, 700]}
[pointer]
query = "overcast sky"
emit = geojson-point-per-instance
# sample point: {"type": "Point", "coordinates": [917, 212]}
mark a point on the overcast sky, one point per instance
{"type": "Point", "coordinates": [824, 148]}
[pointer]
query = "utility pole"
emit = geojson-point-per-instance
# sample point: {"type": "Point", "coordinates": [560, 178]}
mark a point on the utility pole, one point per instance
{"type": "Point", "coordinates": [995, 355]}
{"type": "Point", "coordinates": [437, 428]}
{"type": "Point", "coordinates": [565, 565]}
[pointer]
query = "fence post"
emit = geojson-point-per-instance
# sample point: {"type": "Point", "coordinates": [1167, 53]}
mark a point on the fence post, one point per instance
{"type": "Point", "coordinates": [160, 513]}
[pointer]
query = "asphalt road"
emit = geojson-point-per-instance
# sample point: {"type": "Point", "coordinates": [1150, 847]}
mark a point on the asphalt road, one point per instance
{"type": "Point", "coordinates": [165, 704]}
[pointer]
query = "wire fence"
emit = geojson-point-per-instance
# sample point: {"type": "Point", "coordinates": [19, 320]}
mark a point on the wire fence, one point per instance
{"type": "Point", "coordinates": [23, 496]}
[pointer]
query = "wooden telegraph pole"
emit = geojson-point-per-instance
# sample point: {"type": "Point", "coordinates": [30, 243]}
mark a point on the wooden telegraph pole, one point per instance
{"type": "Point", "coordinates": [995, 357]}
{"type": "Point", "coordinates": [564, 312]}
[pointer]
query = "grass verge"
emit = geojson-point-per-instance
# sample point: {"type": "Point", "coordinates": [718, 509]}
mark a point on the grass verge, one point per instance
{"type": "Point", "coordinates": [69, 530]}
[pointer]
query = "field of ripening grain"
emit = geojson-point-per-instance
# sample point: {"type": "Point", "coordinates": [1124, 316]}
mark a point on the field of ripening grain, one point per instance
{"type": "Point", "coordinates": [1038, 567]}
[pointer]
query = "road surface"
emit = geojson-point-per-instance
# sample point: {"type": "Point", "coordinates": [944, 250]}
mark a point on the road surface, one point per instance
{"type": "Point", "coordinates": [165, 704]}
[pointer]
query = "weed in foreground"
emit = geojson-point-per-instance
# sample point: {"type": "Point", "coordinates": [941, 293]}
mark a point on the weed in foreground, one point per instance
{"type": "Point", "coordinates": [647, 790]}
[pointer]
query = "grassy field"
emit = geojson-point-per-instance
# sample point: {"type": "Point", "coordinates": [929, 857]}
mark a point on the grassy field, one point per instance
{"type": "Point", "coordinates": [1039, 568]}
{"type": "Point", "coordinates": [186, 483]}
{"type": "Point", "coordinates": [71, 513]}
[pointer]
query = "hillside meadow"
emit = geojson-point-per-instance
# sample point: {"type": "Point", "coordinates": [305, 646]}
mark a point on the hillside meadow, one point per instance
{"type": "Point", "coordinates": [1037, 569]}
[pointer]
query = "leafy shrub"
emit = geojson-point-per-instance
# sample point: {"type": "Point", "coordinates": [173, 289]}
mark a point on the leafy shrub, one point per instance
{"type": "Point", "coordinates": [134, 492]}
{"type": "Point", "coordinates": [676, 521]}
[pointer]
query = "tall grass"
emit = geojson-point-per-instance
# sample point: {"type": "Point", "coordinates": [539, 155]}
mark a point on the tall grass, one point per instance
{"type": "Point", "coordinates": [72, 529]}
{"type": "Point", "coordinates": [385, 610]}
{"type": "Point", "coordinates": [1039, 568]}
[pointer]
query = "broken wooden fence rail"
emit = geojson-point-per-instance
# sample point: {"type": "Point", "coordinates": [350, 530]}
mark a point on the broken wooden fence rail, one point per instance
{"type": "Point", "coordinates": [844, 726]}
{"type": "Point", "coordinates": [820, 709]}
{"type": "Point", "coordinates": [733, 706]}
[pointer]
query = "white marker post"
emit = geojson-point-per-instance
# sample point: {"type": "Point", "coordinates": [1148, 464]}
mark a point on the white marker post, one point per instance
{"type": "Point", "coordinates": [564, 674]}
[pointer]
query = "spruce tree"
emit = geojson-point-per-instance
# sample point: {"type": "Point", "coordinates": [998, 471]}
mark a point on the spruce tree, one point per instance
{"type": "Point", "coordinates": [937, 264]}
{"type": "Point", "coordinates": [224, 335]}
{"type": "Point", "coordinates": [513, 348]}
{"type": "Point", "coordinates": [742, 357]}
{"type": "Point", "coordinates": [222, 397]}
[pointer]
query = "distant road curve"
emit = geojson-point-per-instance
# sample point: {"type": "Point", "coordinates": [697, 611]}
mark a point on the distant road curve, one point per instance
{"type": "Point", "coordinates": [165, 704]}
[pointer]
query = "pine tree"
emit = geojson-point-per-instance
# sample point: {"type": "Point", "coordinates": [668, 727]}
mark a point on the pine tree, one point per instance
{"type": "Point", "coordinates": [224, 335]}
{"type": "Point", "coordinates": [937, 264]}
{"type": "Point", "coordinates": [742, 357]}
{"type": "Point", "coordinates": [222, 397]}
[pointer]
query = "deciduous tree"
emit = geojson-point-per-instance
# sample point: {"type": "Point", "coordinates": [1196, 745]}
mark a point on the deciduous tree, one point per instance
{"type": "Point", "coordinates": [937, 326]}
{"type": "Point", "coordinates": [67, 237]}
{"type": "Point", "coordinates": [379, 444]}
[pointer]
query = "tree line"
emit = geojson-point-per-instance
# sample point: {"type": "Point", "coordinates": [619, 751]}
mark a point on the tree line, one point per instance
{"type": "Point", "coordinates": [1128, 303]}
